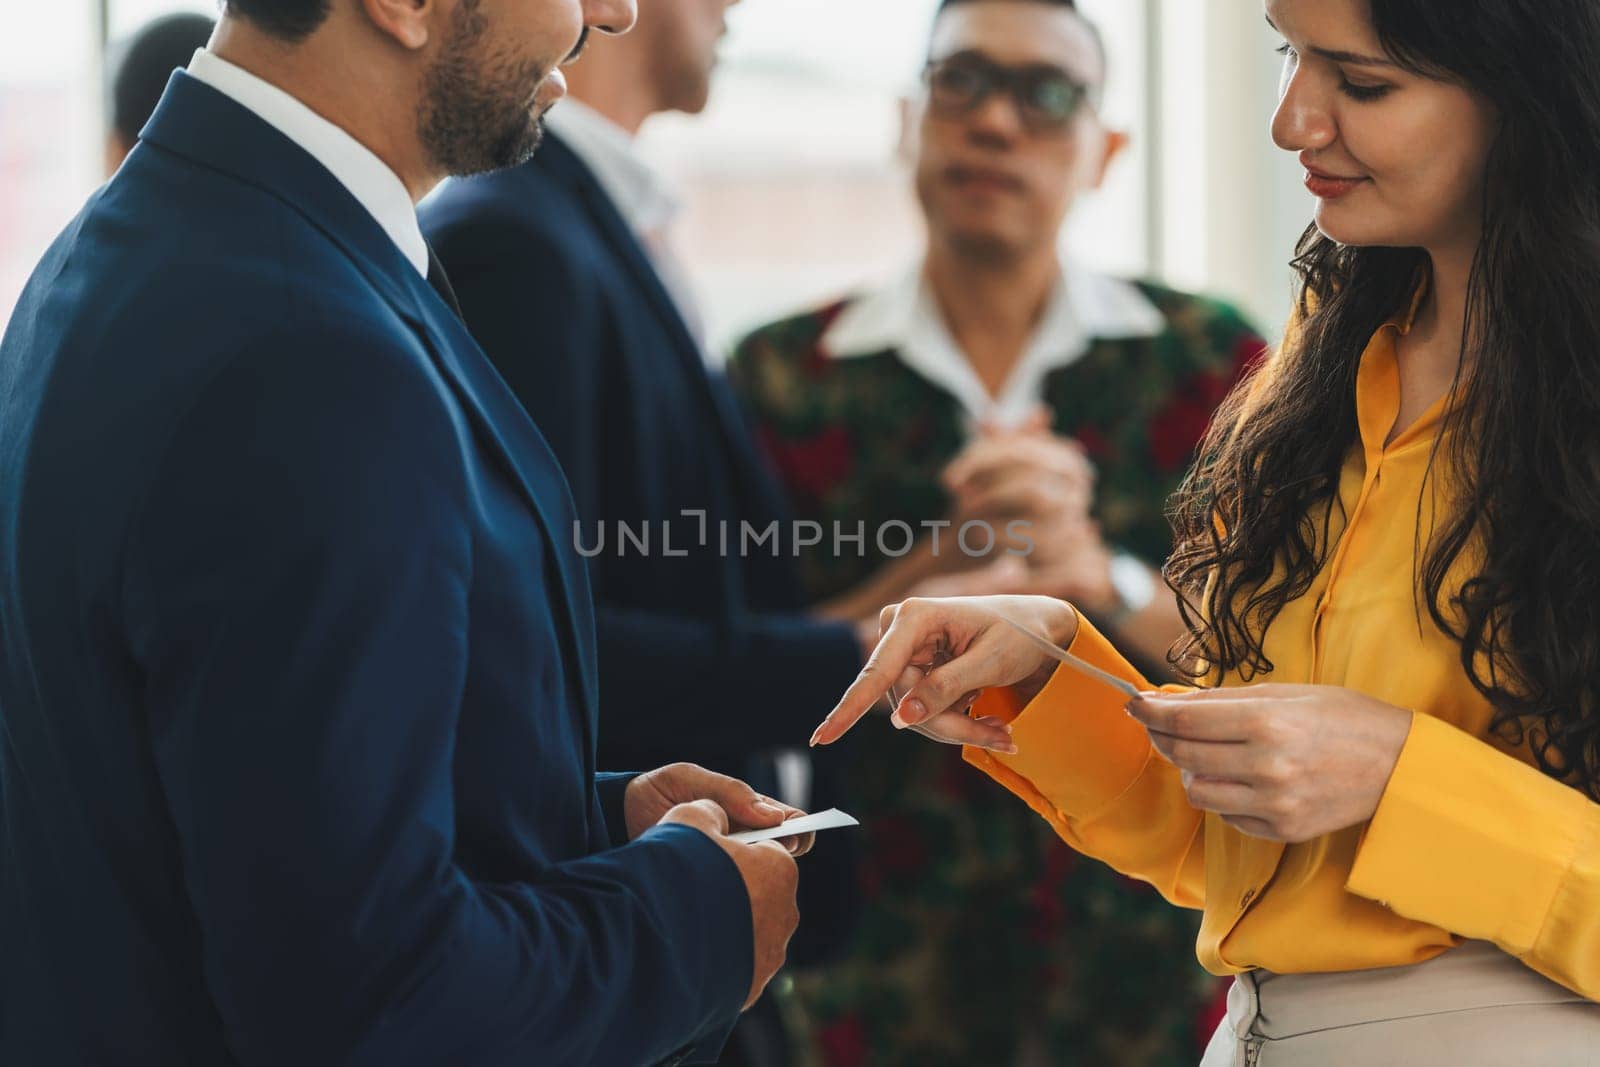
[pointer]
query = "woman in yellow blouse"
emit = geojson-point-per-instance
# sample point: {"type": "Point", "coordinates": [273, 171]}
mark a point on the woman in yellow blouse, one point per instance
{"type": "Point", "coordinates": [1384, 795]}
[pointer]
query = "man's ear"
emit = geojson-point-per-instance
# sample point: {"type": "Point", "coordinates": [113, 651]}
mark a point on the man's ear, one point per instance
{"type": "Point", "coordinates": [410, 23]}
{"type": "Point", "coordinates": [116, 150]}
{"type": "Point", "coordinates": [1117, 142]}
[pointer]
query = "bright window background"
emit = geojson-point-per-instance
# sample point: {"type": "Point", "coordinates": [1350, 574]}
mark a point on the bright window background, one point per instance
{"type": "Point", "coordinates": [50, 106]}
{"type": "Point", "coordinates": [794, 191]}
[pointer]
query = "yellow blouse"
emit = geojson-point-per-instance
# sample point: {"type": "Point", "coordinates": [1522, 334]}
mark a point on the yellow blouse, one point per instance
{"type": "Point", "coordinates": [1469, 841]}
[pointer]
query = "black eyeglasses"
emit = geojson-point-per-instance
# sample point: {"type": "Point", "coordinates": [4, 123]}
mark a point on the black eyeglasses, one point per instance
{"type": "Point", "coordinates": [1047, 97]}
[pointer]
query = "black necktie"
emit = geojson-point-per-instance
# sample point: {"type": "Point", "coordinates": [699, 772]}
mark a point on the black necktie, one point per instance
{"type": "Point", "coordinates": [441, 283]}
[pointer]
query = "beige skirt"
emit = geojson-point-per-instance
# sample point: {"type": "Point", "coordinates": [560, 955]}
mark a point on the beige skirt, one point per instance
{"type": "Point", "coordinates": [1472, 1005]}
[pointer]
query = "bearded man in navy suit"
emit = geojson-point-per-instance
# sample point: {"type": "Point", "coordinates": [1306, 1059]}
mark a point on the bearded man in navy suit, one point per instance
{"type": "Point", "coordinates": [297, 685]}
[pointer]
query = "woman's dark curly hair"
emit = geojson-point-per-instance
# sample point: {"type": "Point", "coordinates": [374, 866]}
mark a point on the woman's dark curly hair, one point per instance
{"type": "Point", "coordinates": [1524, 424]}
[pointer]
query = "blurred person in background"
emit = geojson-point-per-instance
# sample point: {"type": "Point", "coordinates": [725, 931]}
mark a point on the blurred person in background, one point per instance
{"type": "Point", "coordinates": [999, 380]}
{"type": "Point", "coordinates": [141, 65]}
{"type": "Point", "coordinates": [567, 278]}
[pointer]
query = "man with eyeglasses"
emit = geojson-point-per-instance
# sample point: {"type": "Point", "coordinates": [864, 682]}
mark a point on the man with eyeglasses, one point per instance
{"type": "Point", "coordinates": [998, 381]}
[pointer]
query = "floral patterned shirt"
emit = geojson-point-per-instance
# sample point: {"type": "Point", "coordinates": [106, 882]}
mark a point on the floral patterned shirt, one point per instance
{"type": "Point", "coordinates": [1094, 968]}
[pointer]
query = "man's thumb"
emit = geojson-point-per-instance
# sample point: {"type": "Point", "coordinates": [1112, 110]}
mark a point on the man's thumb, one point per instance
{"type": "Point", "coordinates": [753, 809]}
{"type": "Point", "coordinates": [706, 816]}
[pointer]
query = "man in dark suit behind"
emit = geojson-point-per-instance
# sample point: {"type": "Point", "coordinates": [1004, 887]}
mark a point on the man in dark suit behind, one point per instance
{"type": "Point", "coordinates": [567, 281]}
{"type": "Point", "coordinates": [140, 67]}
{"type": "Point", "coordinates": [297, 683]}
{"type": "Point", "coordinates": [567, 278]}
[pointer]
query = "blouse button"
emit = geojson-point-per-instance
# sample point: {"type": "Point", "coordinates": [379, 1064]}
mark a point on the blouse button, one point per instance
{"type": "Point", "coordinates": [1249, 896]}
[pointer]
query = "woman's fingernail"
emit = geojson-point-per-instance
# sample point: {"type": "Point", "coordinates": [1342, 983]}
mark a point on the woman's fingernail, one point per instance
{"type": "Point", "coordinates": [914, 711]}
{"type": "Point", "coordinates": [897, 722]}
{"type": "Point", "coordinates": [767, 807]}
{"type": "Point", "coordinates": [822, 727]}
{"type": "Point", "coordinates": [1007, 748]}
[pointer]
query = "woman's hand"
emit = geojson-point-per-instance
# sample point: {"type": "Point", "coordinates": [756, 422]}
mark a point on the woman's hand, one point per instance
{"type": "Point", "coordinates": [1283, 762]}
{"type": "Point", "coordinates": [939, 654]}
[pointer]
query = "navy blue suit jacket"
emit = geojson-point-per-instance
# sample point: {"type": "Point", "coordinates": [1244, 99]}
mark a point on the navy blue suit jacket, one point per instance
{"type": "Point", "coordinates": [297, 686]}
{"type": "Point", "coordinates": [708, 655]}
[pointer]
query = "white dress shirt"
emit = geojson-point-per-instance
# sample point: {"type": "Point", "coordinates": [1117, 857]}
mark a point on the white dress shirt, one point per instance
{"type": "Point", "coordinates": [904, 316]}
{"type": "Point", "coordinates": [642, 195]}
{"type": "Point", "coordinates": [647, 202]}
{"type": "Point", "coordinates": [356, 167]}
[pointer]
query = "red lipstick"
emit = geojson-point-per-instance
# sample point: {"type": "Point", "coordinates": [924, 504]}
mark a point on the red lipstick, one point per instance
{"type": "Point", "coordinates": [1326, 186]}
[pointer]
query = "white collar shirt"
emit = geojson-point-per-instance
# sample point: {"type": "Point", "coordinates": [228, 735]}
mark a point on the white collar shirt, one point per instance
{"type": "Point", "coordinates": [368, 178]}
{"type": "Point", "coordinates": [642, 195]}
{"type": "Point", "coordinates": [645, 199]}
{"type": "Point", "coordinates": [904, 317]}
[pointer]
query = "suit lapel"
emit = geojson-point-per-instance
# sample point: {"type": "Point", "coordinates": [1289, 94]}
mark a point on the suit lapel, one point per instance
{"type": "Point", "coordinates": [742, 457]}
{"type": "Point", "coordinates": [527, 458]}
{"type": "Point", "coordinates": [561, 160]}
{"type": "Point", "coordinates": [202, 124]}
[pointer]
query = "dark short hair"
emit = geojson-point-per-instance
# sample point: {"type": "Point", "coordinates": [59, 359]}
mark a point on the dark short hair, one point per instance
{"type": "Point", "coordinates": [1053, 3]}
{"type": "Point", "coordinates": [143, 64]}
{"type": "Point", "coordinates": [292, 20]}
{"type": "Point", "coordinates": [1070, 5]}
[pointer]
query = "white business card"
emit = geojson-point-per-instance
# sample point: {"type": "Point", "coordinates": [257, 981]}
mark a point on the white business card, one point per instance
{"type": "Point", "coordinates": [832, 819]}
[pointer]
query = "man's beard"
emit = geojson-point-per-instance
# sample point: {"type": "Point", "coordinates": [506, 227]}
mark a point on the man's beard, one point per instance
{"type": "Point", "coordinates": [476, 109]}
